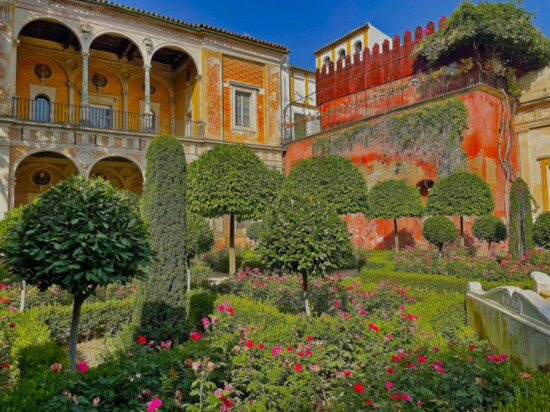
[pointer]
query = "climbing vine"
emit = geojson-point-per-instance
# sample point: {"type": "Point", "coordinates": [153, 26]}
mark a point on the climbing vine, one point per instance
{"type": "Point", "coordinates": [432, 134]}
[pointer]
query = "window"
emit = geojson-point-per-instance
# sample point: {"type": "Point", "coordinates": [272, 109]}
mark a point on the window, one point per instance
{"type": "Point", "coordinates": [326, 61]}
{"type": "Point", "coordinates": [342, 54]}
{"type": "Point", "coordinates": [358, 47]}
{"type": "Point", "coordinates": [41, 110]}
{"type": "Point", "coordinates": [100, 116]}
{"type": "Point", "coordinates": [243, 107]}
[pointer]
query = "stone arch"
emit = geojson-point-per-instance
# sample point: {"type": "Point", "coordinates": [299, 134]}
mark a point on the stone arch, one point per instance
{"type": "Point", "coordinates": [115, 32]}
{"type": "Point", "coordinates": [194, 58]}
{"type": "Point", "coordinates": [122, 170]}
{"type": "Point", "coordinates": [69, 24]}
{"type": "Point", "coordinates": [36, 171]}
{"type": "Point", "coordinates": [98, 159]}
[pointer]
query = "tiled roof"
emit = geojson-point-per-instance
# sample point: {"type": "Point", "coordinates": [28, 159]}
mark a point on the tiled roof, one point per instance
{"type": "Point", "coordinates": [192, 26]}
{"type": "Point", "coordinates": [302, 69]}
{"type": "Point", "coordinates": [339, 39]}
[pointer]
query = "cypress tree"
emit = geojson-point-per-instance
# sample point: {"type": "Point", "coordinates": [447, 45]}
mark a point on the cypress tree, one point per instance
{"type": "Point", "coordinates": [521, 220]}
{"type": "Point", "coordinates": [161, 299]}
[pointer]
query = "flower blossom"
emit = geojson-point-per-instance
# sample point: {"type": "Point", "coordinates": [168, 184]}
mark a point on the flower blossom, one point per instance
{"type": "Point", "coordinates": [154, 404]}
{"type": "Point", "coordinates": [82, 367]}
{"type": "Point", "coordinates": [195, 336]}
{"type": "Point", "coordinates": [358, 388]}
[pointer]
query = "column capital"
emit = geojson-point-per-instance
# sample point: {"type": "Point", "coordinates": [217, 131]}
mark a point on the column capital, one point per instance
{"type": "Point", "coordinates": [147, 66]}
{"type": "Point", "coordinates": [85, 55]}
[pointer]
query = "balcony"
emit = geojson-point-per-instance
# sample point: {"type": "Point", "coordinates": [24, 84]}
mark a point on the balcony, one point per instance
{"type": "Point", "coordinates": [42, 111]}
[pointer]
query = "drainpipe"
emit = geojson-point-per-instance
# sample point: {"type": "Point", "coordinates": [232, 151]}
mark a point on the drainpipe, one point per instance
{"type": "Point", "coordinates": [281, 92]}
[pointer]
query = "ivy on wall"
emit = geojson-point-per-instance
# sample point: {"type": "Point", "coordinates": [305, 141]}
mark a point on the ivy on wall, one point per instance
{"type": "Point", "coordinates": [432, 134]}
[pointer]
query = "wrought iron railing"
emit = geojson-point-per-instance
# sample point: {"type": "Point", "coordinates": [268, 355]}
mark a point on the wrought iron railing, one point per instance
{"type": "Point", "coordinates": [43, 111]}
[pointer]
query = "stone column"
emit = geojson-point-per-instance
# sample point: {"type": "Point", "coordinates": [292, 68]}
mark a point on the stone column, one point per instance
{"type": "Point", "coordinates": [147, 109]}
{"type": "Point", "coordinates": [125, 106]}
{"type": "Point", "coordinates": [84, 93]}
{"type": "Point", "coordinates": [5, 189]}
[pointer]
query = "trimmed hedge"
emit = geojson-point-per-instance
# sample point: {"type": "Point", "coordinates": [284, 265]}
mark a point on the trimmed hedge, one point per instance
{"type": "Point", "coordinates": [97, 319]}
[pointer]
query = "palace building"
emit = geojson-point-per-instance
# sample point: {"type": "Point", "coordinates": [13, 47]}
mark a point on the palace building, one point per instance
{"type": "Point", "coordinates": [86, 84]}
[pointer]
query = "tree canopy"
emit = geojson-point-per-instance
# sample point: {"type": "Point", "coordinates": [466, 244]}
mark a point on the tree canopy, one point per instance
{"type": "Point", "coordinates": [501, 30]}
{"type": "Point", "coordinates": [333, 179]}
{"type": "Point", "coordinates": [489, 228]}
{"type": "Point", "coordinates": [439, 231]}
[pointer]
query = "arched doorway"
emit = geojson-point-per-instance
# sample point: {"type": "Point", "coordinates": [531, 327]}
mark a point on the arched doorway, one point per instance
{"type": "Point", "coordinates": [124, 173]}
{"type": "Point", "coordinates": [38, 172]}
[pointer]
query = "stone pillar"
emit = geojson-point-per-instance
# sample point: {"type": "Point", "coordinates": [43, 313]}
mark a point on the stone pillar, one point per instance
{"type": "Point", "coordinates": [147, 109]}
{"type": "Point", "coordinates": [125, 106]}
{"type": "Point", "coordinates": [84, 93]}
{"type": "Point", "coordinates": [13, 81]}
{"type": "Point", "coordinates": [7, 16]}
{"type": "Point", "coordinates": [4, 172]}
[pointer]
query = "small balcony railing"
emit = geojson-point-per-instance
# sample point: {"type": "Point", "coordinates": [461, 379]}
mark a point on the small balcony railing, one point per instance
{"type": "Point", "coordinates": [43, 111]}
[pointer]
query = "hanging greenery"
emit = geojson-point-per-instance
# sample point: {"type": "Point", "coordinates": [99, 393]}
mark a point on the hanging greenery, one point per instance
{"type": "Point", "coordinates": [432, 134]}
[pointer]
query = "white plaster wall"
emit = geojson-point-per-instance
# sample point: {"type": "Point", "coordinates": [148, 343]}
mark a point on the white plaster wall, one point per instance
{"type": "Point", "coordinates": [299, 88]}
{"type": "Point", "coordinates": [311, 88]}
{"type": "Point", "coordinates": [376, 36]}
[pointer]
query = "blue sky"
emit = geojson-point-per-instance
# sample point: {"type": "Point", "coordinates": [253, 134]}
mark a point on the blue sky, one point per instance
{"type": "Point", "coordinates": [304, 26]}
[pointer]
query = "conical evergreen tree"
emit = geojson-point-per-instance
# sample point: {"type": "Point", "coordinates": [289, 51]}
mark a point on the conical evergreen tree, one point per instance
{"type": "Point", "coordinates": [160, 308]}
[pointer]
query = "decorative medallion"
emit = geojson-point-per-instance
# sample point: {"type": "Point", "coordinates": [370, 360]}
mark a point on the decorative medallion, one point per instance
{"type": "Point", "coordinates": [99, 80]}
{"type": "Point", "coordinates": [43, 71]}
{"type": "Point", "coordinates": [41, 177]}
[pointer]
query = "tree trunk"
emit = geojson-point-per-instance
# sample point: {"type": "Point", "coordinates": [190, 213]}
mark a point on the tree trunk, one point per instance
{"type": "Point", "coordinates": [23, 295]}
{"type": "Point", "coordinates": [440, 252]}
{"type": "Point", "coordinates": [188, 275]}
{"type": "Point", "coordinates": [395, 236]}
{"type": "Point", "coordinates": [462, 231]}
{"type": "Point", "coordinates": [232, 260]}
{"type": "Point", "coordinates": [77, 306]}
{"type": "Point", "coordinates": [306, 295]}
{"type": "Point", "coordinates": [489, 250]}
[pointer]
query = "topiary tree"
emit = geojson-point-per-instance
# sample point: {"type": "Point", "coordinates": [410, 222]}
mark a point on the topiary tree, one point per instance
{"type": "Point", "coordinates": [439, 231]}
{"type": "Point", "coordinates": [304, 235]}
{"type": "Point", "coordinates": [521, 220]}
{"type": "Point", "coordinates": [460, 194]}
{"type": "Point", "coordinates": [231, 180]}
{"type": "Point", "coordinates": [253, 231]}
{"type": "Point", "coordinates": [541, 230]}
{"type": "Point", "coordinates": [333, 179]}
{"type": "Point", "coordinates": [81, 234]}
{"type": "Point", "coordinates": [160, 305]}
{"type": "Point", "coordinates": [489, 228]}
{"type": "Point", "coordinates": [200, 239]}
{"type": "Point", "coordinates": [393, 199]}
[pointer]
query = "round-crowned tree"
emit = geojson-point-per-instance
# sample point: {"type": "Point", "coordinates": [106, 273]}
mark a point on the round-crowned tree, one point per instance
{"type": "Point", "coordinates": [253, 231]}
{"type": "Point", "coordinates": [11, 218]}
{"type": "Point", "coordinates": [161, 301]}
{"type": "Point", "coordinates": [439, 231]}
{"type": "Point", "coordinates": [521, 220]}
{"type": "Point", "coordinates": [460, 194]}
{"type": "Point", "coordinates": [304, 235]}
{"type": "Point", "coordinates": [81, 234]}
{"type": "Point", "coordinates": [231, 180]}
{"type": "Point", "coordinates": [541, 230]}
{"type": "Point", "coordinates": [200, 239]}
{"type": "Point", "coordinates": [333, 179]}
{"type": "Point", "coordinates": [393, 199]}
{"type": "Point", "coordinates": [490, 229]}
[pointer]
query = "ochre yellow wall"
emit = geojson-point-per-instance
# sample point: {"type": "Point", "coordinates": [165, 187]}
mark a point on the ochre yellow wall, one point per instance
{"type": "Point", "coordinates": [113, 87]}
{"type": "Point", "coordinates": [26, 76]}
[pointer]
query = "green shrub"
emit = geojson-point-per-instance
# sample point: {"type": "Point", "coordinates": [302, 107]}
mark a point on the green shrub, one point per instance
{"type": "Point", "coordinates": [393, 199]}
{"type": "Point", "coordinates": [201, 304]}
{"type": "Point", "coordinates": [161, 298]}
{"type": "Point", "coordinates": [200, 273]}
{"type": "Point", "coordinates": [253, 231]}
{"type": "Point", "coordinates": [460, 194]}
{"type": "Point", "coordinates": [489, 228]}
{"type": "Point", "coordinates": [34, 360]}
{"type": "Point", "coordinates": [11, 218]}
{"type": "Point", "coordinates": [535, 399]}
{"type": "Point", "coordinates": [218, 259]}
{"type": "Point", "coordinates": [97, 319]}
{"type": "Point", "coordinates": [541, 230]}
{"type": "Point", "coordinates": [439, 231]}
{"type": "Point", "coordinates": [521, 220]}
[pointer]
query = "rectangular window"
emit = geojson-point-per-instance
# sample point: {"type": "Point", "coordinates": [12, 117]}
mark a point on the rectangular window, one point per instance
{"type": "Point", "coordinates": [242, 108]}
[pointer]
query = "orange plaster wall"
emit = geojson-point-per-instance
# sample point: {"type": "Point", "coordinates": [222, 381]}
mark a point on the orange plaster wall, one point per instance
{"type": "Point", "coordinates": [26, 76]}
{"type": "Point", "coordinates": [180, 87]}
{"type": "Point", "coordinates": [248, 73]}
{"type": "Point", "coordinates": [274, 106]}
{"type": "Point", "coordinates": [213, 95]}
{"type": "Point", "coordinates": [480, 145]}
